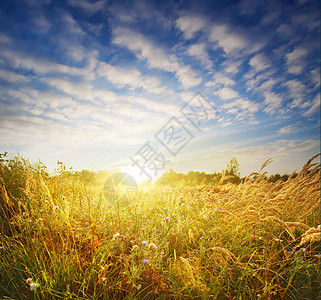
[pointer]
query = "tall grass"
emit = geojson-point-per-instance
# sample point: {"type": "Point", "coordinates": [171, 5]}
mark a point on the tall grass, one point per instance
{"type": "Point", "coordinates": [255, 240]}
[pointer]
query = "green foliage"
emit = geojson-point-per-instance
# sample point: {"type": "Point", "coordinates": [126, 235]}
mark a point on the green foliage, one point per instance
{"type": "Point", "coordinates": [192, 178]}
{"type": "Point", "coordinates": [232, 171]}
{"type": "Point", "coordinates": [277, 177]}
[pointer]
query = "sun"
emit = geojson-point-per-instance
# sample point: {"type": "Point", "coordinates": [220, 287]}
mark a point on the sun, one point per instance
{"type": "Point", "coordinates": [137, 174]}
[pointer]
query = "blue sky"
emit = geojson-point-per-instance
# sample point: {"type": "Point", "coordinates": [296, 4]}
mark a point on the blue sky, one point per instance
{"type": "Point", "coordinates": [94, 83]}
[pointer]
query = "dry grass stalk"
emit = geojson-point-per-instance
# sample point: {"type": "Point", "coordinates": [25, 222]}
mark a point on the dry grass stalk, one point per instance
{"type": "Point", "coordinates": [230, 256]}
{"type": "Point", "coordinates": [298, 226]}
{"type": "Point", "coordinates": [310, 236]}
{"type": "Point", "coordinates": [268, 161]}
{"type": "Point", "coordinates": [281, 223]}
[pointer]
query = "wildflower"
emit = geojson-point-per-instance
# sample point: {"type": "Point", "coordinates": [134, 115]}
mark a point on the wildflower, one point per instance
{"type": "Point", "coordinates": [180, 197]}
{"type": "Point", "coordinates": [143, 229]}
{"type": "Point", "coordinates": [163, 252]}
{"type": "Point", "coordinates": [278, 240]}
{"type": "Point", "coordinates": [144, 243]}
{"type": "Point", "coordinates": [167, 219]}
{"type": "Point", "coordinates": [115, 236]}
{"type": "Point", "coordinates": [146, 261]}
{"type": "Point", "coordinates": [201, 238]}
{"type": "Point", "coordinates": [152, 246]}
{"type": "Point", "coordinates": [135, 248]}
{"type": "Point", "coordinates": [28, 280]}
{"type": "Point", "coordinates": [33, 286]}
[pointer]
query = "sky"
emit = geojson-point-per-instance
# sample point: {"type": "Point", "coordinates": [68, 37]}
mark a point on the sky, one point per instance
{"type": "Point", "coordinates": [154, 85]}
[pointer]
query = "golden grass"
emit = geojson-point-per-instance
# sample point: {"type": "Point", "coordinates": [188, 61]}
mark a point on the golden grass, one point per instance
{"type": "Point", "coordinates": [255, 240]}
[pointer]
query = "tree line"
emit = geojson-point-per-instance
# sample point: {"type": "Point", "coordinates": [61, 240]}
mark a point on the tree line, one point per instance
{"type": "Point", "coordinates": [231, 175]}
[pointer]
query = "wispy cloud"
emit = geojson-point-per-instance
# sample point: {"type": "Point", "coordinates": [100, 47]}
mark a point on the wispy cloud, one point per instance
{"type": "Point", "coordinates": [295, 60]}
{"type": "Point", "coordinates": [259, 62]}
{"type": "Point", "coordinates": [287, 129]}
{"type": "Point", "coordinates": [227, 93]}
{"type": "Point", "coordinates": [315, 107]}
{"type": "Point", "coordinates": [199, 52]}
{"type": "Point", "coordinates": [88, 6]}
{"type": "Point", "coordinates": [155, 56]}
{"type": "Point", "coordinates": [190, 25]}
{"type": "Point", "coordinates": [13, 77]}
{"type": "Point", "coordinates": [86, 76]}
{"type": "Point", "coordinates": [273, 102]}
{"type": "Point", "coordinates": [132, 78]}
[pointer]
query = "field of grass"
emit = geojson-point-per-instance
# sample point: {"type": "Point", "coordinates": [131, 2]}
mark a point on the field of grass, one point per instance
{"type": "Point", "coordinates": [60, 239]}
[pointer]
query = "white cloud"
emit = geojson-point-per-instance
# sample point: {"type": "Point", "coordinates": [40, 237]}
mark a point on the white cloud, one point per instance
{"type": "Point", "coordinates": [259, 62]}
{"type": "Point", "coordinates": [294, 146]}
{"type": "Point", "coordinates": [42, 24]}
{"type": "Point", "coordinates": [4, 39]}
{"type": "Point", "coordinates": [295, 60]}
{"type": "Point", "coordinates": [13, 77]}
{"type": "Point", "coordinates": [227, 38]}
{"type": "Point", "coordinates": [296, 91]}
{"type": "Point", "coordinates": [287, 129]}
{"type": "Point", "coordinates": [232, 66]}
{"type": "Point", "coordinates": [88, 6]}
{"type": "Point", "coordinates": [144, 49]}
{"type": "Point", "coordinates": [273, 102]}
{"type": "Point", "coordinates": [190, 25]}
{"type": "Point", "coordinates": [132, 78]}
{"type": "Point", "coordinates": [227, 93]}
{"type": "Point", "coordinates": [272, 15]}
{"type": "Point", "coordinates": [315, 76]}
{"type": "Point", "coordinates": [38, 65]}
{"type": "Point", "coordinates": [315, 107]}
{"type": "Point", "coordinates": [268, 84]}
{"type": "Point", "coordinates": [157, 107]}
{"type": "Point", "coordinates": [255, 80]}
{"type": "Point", "coordinates": [155, 56]}
{"type": "Point", "coordinates": [79, 90]}
{"type": "Point", "coordinates": [244, 105]}
{"type": "Point", "coordinates": [71, 25]}
{"type": "Point", "coordinates": [284, 30]}
{"type": "Point", "coordinates": [199, 51]}
{"type": "Point", "coordinates": [220, 78]}
{"type": "Point", "coordinates": [188, 77]}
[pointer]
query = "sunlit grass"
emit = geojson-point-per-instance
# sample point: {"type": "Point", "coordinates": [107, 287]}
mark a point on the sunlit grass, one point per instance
{"type": "Point", "coordinates": [61, 239]}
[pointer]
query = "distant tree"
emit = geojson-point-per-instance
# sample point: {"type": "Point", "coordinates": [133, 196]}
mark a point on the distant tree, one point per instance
{"type": "Point", "coordinates": [274, 178]}
{"type": "Point", "coordinates": [88, 177]}
{"type": "Point", "coordinates": [232, 169]}
{"type": "Point", "coordinates": [168, 178]}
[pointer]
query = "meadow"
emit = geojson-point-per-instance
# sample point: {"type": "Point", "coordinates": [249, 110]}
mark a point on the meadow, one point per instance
{"type": "Point", "coordinates": [61, 239]}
